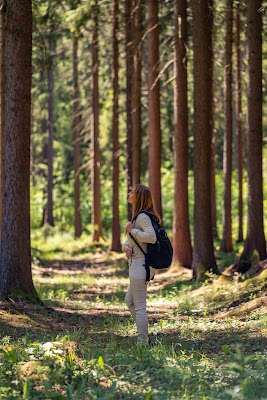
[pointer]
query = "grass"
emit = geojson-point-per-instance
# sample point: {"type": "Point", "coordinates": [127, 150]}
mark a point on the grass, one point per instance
{"type": "Point", "coordinates": [209, 339]}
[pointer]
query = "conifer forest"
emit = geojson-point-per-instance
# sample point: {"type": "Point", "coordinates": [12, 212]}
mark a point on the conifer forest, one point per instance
{"type": "Point", "coordinates": [97, 96]}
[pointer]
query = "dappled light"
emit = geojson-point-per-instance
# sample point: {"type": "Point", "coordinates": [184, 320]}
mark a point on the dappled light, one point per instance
{"type": "Point", "coordinates": [133, 200]}
{"type": "Point", "coordinates": [84, 326]}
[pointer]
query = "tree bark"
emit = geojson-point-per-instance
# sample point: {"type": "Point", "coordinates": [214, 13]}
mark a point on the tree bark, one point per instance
{"type": "Point", "coordinates": [76, 140]}
{"type": "Point", "coordinates": [15, 262]}
{"type": "Point", "coordinates": [255, 239]}
{"type": "Point", "coordinates": [50, 155]}
{"type": "Point", "coordinates": [213, 151]}
{"type": "Point", "coordinates": [136, 102]}
{"type": "Point", "coordinates": [226, 242]}
{"type": "Point", "coordinates": [154, 155]}
{"type": "Point", "coordinates": [203, 253]}
{"type": "Point", "coordinates": [239, 125]}
{"type": "Point", "coordinates": [213, 181]}
{"type": "Point", "coordinates": [96, 193]}
{"type": "Point", "coordinates": [2, 104]}
{"type": "Point", "coordinates": [129, 86]}
{"type": "Point", "coordinates": [44, 160]}
{"type": "Point", "coordinates": [116, 230]}
{"type": "Point", "coordinates": [182, 249]}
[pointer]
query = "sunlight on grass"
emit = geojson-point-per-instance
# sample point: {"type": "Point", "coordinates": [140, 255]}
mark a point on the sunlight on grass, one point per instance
{"type": "Point", "coordinates": [47, 243]}
{"type": "Point", "coordinates": [208, 337]}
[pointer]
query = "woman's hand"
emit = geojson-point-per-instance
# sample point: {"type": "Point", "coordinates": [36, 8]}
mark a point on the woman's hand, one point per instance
{"type": "Point", "coordinates": [128, 251]}
{"type": "Point", "coordinates": [129, 226]}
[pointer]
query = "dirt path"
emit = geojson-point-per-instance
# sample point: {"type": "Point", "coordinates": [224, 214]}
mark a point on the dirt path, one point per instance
{"type": "Point", "coordinates": [86, 294]}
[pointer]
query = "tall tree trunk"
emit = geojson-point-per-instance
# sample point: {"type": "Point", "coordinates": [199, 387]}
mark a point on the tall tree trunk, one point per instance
{"type": "Point", "coordinates": [213, 182]}
{"type": "Point", "coordinates": [129, 86]}
{"type": "Point", "coordinates": [2, 105]}
{"type": "Point", "coordinates": [255, 239]}
{"type": "Point", "coordinates": [96, 201]}
{"type": "Point", "coordinates": [136, 102]}
{"type": "Point", "coordinates": [213, 151]}
{"type": "Point", "coordinates": [239, 124]}
{"type": "Point", "coordinates": [15, 262]}
{"type": "Point", "coordinates": [182, 249]}
{"type": "Point", "coordinates": [76, 140]}
{"type": "Point", "coordinates": [203, 253]}
{"type": "Point", "coordinates": [116, 230]}
{"type": "Point", "coordinates": [50, 155]}
{"type": "Point", "coordinates": [226, 242]}
{"type": "Point", "coordinates": [154, 105]}
{"type": "Point", "coordinates": [45, 148]}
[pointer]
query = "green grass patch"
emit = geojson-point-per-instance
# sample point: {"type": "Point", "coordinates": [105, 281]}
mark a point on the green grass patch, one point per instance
{"type": "Point", "coordinates": [209, 338]}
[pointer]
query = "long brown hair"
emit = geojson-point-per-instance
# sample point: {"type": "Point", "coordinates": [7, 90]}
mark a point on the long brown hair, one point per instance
{"type": "Point", "coordinates": [143, 201]}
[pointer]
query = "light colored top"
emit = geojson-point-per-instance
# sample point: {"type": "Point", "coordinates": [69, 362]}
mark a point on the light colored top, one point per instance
{"type": "Point", "coordinates": [144, 233]}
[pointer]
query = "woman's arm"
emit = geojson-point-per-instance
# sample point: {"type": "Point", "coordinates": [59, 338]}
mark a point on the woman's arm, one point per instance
{"type": "Point", "coordinates": [124, 246]}
{"type": "Point", "coordinates": [127, 249]}
{"type": "Point", "coordinates": [147, 234]}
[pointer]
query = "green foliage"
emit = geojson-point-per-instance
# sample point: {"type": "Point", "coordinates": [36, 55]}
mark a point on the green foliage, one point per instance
{"type": "Point", "coordinates": [250, 375]}
{"type": "Point", "coordinates": [72, 15]}
{"type": "Point", "coordinates": [82, 344]}
{"type": "Point", "coordinates": [64, 204]}
{"type": "Point", "coordinates": [161, 372]}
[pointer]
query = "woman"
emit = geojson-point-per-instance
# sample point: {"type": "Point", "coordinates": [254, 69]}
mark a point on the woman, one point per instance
{"type": "Point", "coordinates": [143, 232]}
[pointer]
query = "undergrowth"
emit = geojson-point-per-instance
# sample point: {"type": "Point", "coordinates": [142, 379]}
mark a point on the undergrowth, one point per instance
{"type": "Point", "coordinates": [209, 339]}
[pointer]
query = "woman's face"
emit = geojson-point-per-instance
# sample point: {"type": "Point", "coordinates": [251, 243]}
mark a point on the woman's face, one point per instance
{"type": "Point", "coordinates": [131, 197]}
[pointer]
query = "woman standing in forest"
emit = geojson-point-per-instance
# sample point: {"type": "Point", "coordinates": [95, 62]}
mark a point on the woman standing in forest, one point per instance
{"type": "Point", "coordinates": [140, 229]}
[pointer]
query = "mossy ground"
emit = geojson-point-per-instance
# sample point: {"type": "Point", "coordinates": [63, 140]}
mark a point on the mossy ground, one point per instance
{"type": "Point", "coordinates": [210, 338]}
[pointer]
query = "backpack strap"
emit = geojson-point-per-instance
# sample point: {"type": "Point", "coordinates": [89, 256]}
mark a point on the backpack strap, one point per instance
{"type": "Point", "coordinates": [147, 272]}
{"type": "Point", "coordinates": [151, 216]}
{"type": "Point", "coordinates": [145, 265]}
{"type": "Point", "coordinates": [134, 218]}
{"type": "Point", "coordinates": [137, 244]}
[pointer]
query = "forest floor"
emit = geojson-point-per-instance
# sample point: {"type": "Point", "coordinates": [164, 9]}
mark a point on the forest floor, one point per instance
{"type": "Point", "coordinates": [209, 339]}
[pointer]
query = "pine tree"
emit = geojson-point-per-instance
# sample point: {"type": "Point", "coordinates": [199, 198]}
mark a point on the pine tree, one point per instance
{"type": "Point", "coordinates": [239, 124]}
{"type": "Point", "coordinates": [203, 253]}
{"type": "Point", "coordinates": [136, 97]}
{"type": "Point", "coordinates": [15, 261]}
{"type": "Point", "coordinates": [129, 88]}
{"type": "Point", "coordinates": [226, 243]}
{"type": "Point", "coordinates": [255, 239]}
{"type": "Point", "coordinates": [96, 193]}
{"type": "Point", "coordinates": [154, 104]}
{"type": "Point", "coordinates": [2, 106]}
{"type": "Point", "coordinates": [182, 249]}
{"type": "Point", "coordinates": [76, 139]}
{"type": "Point", "coordinates": [213, 145]}
{"type": "Point", "coordinates": [116, 231]}
{"type": "Point", "coordinates": [50, 151]}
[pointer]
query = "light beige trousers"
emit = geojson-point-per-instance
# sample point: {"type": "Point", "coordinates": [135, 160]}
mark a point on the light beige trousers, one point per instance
{"type": "Point", "coordinates": [136, 297]}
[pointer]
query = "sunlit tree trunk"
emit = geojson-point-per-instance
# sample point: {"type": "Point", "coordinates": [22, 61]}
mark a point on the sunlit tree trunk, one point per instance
{"type": "Point", "coordinates": [2, 105]}
{"type": "Point", "coordinates": [96, 200]}
{"type": "Point", "coordinates": [203, 253]}
{"type": "Point", "coordinates": [136, 98]}
{"type": "Point", "coordinates": [50, 156]}
{"type": "Point", "coordinates": [213, 151]}
{"type": "Point", "coordinates": [255, 239]}
{"type": "Point", "coordinates": [129, 88]}
{"type": "Point", "coordinates": [239, 124]}
{"type": "Point", "coordinates": [213, 184]}
{"type": "Point", "coordinates": [76, 140]}
{"type": "Point", "coordinates": [154, 104]}
{"type": "Point", "coordinates": [15, 261]}
{"type": "Point", "coordinates": [182, 249]}
{"type": "Point", "coordinates": [116, 242]}
{"type": "Point", "coordinates": [226, 242]}
{"type": "Point", "coordinates": [44, 152]}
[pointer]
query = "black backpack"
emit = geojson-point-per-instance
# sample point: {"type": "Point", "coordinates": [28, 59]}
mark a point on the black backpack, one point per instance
{"type": "Point", "coordinates": [159, 254]}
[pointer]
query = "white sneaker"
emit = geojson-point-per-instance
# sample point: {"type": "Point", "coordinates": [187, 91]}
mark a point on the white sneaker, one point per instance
{"type": "Point", "coordinates": [142, 341]}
